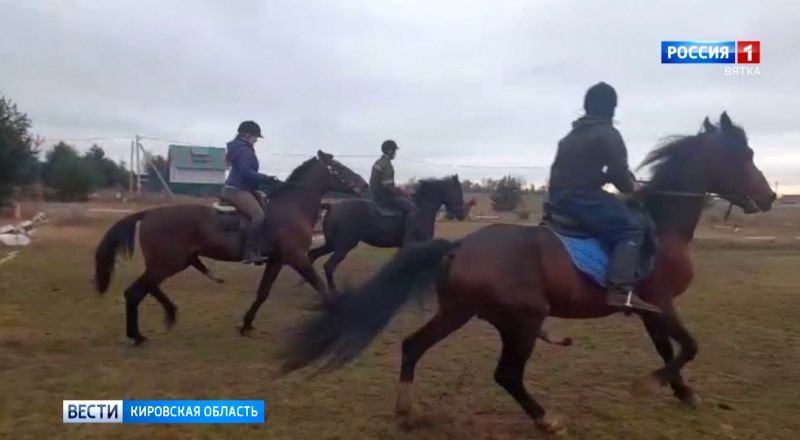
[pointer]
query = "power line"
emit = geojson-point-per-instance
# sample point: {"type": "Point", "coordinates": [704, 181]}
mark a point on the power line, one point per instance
{"type": "Point", "coordinates": [86, 139]}
{"type": "Point", "coordinates": [372, 156]}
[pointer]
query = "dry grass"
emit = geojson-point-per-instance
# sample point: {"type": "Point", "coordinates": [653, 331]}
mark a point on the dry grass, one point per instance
{"type": "Point", "coordinates": [60, 340]}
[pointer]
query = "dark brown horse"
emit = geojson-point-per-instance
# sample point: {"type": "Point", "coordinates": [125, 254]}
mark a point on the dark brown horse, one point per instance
{"type": "Point", "coordinates": [350, 222]}
{"type": "Point", "coordinates": [515, 276]}
{"type": "Point", "coordinates": [173, 238]}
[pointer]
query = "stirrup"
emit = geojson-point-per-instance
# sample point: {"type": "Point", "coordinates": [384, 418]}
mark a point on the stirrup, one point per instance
{"type": "Point", "coordinates": [254, 259]}
{"type": "Point", "coordinates": [629, 307]}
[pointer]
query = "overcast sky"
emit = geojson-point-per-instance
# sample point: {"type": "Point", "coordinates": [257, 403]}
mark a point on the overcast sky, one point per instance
{"type": "Point", "coordinates": [493, 83]}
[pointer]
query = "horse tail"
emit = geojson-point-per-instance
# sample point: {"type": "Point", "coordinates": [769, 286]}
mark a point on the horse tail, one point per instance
{"type": "Point", "coordinates": [344, 327]}
{"type": "Point", "coordinates": [118, 239]}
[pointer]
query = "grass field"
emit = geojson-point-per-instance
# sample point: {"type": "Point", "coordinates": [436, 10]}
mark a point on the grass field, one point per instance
{"type": "Point", "coordinates": [60, 340]}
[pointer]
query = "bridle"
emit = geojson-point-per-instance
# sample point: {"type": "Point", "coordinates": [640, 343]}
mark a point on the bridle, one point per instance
{"type": "Point", "coordinates": [670, 193]}
{"type": "Point", "coordinates": [332, 171]}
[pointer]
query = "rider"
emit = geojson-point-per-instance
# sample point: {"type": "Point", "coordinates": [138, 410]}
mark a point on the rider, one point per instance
{"type": "Point", "coordinates": [591, 155]}
{"type": "Point", "coordinates": [243, 180]}
{"type": "Point", "coordinates": [386, 193]}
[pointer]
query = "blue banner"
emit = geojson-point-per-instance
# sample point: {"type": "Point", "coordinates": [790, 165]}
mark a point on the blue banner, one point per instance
{"type": "Point", "coordinates": [192, 411]}
{"type": "Point", "coordinates": [698, 52]}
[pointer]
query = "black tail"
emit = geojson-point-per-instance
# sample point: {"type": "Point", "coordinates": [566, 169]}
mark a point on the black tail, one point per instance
{"type": "Point", "coordinates": [346, 326]}
{"type": "Point", "coordinates": [119, 238]}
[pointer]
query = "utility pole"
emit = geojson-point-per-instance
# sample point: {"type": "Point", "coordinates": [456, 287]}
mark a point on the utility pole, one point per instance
{"type": "Point", "coordinates": [776, 187]}
{"type": "Point", "coordinates": [138, 169]}
{"type": "Point", "coordinates": [130, 174]}
{"type": "Point", "coordinates": [153, 166]}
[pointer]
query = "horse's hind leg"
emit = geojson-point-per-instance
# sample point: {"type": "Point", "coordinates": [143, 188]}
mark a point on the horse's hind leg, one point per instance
{"type": "Point", "coordinates": [320, 251]}
{"type": "Point", "coordinates": [170, 309]}
{"type": "Point", "coordinates": [519, 334]}
{"type": "Point", "coordinates": [333, 262]}
{"type": "Point", "coordinates": [195, 262]}
{"type": "Point", "coordinates": [414, 346]}
{"type": "Point", "coordinates": [133, 296]}
{"type": "Point", "coordinates": [663, 345]}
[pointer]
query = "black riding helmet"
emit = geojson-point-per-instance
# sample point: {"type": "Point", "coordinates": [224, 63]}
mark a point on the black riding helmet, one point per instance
{"type": "Point", "coordinates": [250, 127]}
{"type": "Point", "coordinates": [388, 146]}
{"type": "Point", "coordinates": [600, 100]}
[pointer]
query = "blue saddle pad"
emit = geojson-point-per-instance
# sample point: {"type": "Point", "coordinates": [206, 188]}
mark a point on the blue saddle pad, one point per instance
{"type": "Point", "coordinates": [588, 255]}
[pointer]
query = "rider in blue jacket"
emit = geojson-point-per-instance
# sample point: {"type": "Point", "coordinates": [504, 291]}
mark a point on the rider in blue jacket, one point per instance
{"type": "Point", "coordinates": [243, 180]}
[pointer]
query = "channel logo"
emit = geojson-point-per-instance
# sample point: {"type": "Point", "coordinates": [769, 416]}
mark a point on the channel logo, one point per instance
{"type": "Point", "coordinates": [711, 52]}
{"type": "Point", "coordinates": [163, 411]}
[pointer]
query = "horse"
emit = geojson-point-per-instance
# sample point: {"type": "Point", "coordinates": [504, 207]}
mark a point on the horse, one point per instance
{"type": "Point", "coordinates": [352, 221]}
{"type": "Point", "coordinates": [515, 276]}
{"type": "Point", "coordinates": [173, 238]}
{"type": "Point", "coordinates": [464, 215]}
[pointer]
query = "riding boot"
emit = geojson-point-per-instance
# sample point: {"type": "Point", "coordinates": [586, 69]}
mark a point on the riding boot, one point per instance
{"type": "Point", "coordinates": [622, 277]}
{"type": "Point", "coordinates": [252, 250]}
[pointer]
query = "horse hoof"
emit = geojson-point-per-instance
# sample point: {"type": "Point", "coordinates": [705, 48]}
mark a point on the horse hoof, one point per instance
{"type": "Point", "coordinates": [551, 425]}
{"type": "Point", "coordinates": [692, 400]}
{"type": "Point", "coordinates": [138, 340]}
{"type": "Point", "coordinates": [403, 406]}
{"type": "Point", "coordinates": [645, 385]}
{"type": "Point", "coordinates": [245, 330]}
{"type": "Point", "coordinates": [170, 319]}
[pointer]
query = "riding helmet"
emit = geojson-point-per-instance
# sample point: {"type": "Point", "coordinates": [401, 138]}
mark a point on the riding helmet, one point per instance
{"type": "Point", "coordinates": [600, 100]}
{"type": "Point", "coordinates": [250, 127]}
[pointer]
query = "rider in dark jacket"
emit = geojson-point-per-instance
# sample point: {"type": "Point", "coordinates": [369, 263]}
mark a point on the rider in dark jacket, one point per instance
{"type": "Point", "coordinates": [386, 193]}
{"type": "Point", "coordinates": [591, 155]}
{"type": "Point", "coordinates": [243, 180]}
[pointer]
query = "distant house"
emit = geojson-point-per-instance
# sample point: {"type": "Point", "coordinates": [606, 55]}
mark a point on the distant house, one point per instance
{"type": "Point", "coordinates": [196, 170]}
{"type": "Point", "coordinates": [790, 199]}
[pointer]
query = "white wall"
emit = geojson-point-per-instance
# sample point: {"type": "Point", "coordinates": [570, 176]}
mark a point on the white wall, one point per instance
{"type": "Point", "coordinates": [183, 175]}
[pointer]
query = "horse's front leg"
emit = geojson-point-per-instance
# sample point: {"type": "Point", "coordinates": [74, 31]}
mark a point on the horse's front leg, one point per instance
{"type": "Point", "coordinates": [660, 338]}
{"type": "Point", "coordinates": [300, 262]}
{"type": "Point", "coordinates": [270, 275]}
{"type": "Point", "coordinates": [662, 328]}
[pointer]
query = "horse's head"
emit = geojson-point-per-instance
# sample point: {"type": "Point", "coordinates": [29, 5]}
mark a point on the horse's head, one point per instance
{"type": "Point", "coordinates": [438, 192]}
{"type": "Point", "coordinates": [729, 167]}
{"type": "Point", "coordinates": [339, 177]}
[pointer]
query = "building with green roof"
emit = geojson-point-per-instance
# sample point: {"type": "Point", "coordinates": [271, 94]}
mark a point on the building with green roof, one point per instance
{"type": "Point", "coordinates": [196, 170]}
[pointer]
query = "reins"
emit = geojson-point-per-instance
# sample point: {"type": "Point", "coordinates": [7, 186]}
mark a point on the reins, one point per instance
{"type": "Point", "coordinates": [687, 194]}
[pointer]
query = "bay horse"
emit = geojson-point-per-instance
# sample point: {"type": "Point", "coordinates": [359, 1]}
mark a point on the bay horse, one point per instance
{"type": "Point", "coordinates": [350, 222]}
{"type": "Point", "coordinates": [464, 214]}
{"type": "Point", "coordinates": [173, 238]}
{"type": "Point", "coordinates": [516, 276]}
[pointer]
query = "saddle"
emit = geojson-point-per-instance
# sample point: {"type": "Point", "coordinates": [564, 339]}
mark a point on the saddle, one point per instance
{"type": "Point", "coordinates": [562, 223]}
{"type": "Point", "coordinates": [587, 253]}
{"type": "Point", "coordinates": [229, 218]}
{"type": "Point", "coordinates": [385, 210]}
{"type": "Point", "coordinates": [225, 207]}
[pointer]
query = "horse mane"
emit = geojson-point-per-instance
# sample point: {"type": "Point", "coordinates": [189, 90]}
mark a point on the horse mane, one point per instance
{"type": "Point", "coordinates": [293, 181]}
{"type": "Point", "coordinates": [667, 161]}
{"type": "Point", "coordinates": [427, 185]}
{"type": "Point", "coordinates": [301, 169]}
